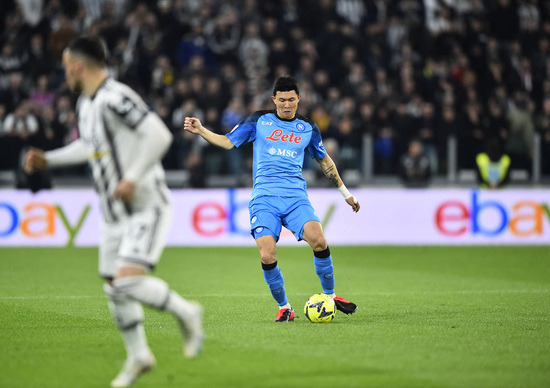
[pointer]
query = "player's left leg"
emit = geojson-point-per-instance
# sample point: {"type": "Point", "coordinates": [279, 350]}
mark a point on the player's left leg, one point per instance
{"type": "Point", "coordinates": [140, 250]}
{"type": "Point", "coordinates": [322, 259]}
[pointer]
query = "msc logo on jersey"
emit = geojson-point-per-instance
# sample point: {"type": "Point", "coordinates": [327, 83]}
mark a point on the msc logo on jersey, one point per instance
{"type": "Point", "coordinates": [283, 152]}
{"type": "Point", "coordinates": [300, 127]}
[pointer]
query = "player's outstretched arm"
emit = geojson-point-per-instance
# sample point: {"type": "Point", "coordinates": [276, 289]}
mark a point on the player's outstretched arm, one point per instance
{"type": "Point", "coordinates": [70, 155]}
{"type": "Point", "coordinates": [193, 125]}
{"type": "Point", "coordinates": [331, 172]}
{"type": "Point", "coordinates": [34, 160]}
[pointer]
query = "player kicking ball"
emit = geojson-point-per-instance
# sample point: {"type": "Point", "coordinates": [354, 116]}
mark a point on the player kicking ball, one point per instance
{"type": "Point", "coordinates": [280, 139]}
{"type": "Point", "coordinates": [123, 142]}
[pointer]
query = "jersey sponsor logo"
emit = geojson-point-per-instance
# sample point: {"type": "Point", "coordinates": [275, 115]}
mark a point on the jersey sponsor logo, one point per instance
{"type": "Point", "coordinates": [267, 122]}
{"type": "Point", "coordinates": [300, 127]}
{"type": "Point", "coordinates": [99, 154]}
{"type": "Point", "coordinates": [277, 135]}
{"type": "Point", "coordinates": [283, 152]}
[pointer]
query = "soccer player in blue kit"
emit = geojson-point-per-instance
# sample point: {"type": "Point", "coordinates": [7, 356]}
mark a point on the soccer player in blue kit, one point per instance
{"type": "Point", "coordinates": [280, 138]}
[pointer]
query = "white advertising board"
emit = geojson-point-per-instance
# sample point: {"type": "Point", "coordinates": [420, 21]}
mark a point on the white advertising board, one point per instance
{"type": "Point", "coordinates": [219, 217]}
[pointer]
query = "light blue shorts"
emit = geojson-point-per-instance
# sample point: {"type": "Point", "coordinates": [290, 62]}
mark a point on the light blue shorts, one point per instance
{"type": "Point", "coordinates": [268, 214]}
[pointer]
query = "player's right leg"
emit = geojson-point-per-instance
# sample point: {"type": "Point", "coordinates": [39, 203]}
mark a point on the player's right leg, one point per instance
{"type": "Point", "coordinates": [136, 283]}
{"type": "Point", "coordinates": [274, 277]}
{"type": "Point", "coordinates": [265, 224]}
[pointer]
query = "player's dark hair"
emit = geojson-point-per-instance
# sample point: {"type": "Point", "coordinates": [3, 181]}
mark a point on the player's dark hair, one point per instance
{"type": "Point", "coordinates": [90, 47]}
{"type": "Point", "coordinates": [285, 83]}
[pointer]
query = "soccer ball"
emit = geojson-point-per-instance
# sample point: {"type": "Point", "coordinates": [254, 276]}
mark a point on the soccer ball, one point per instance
{"type": "Point", "coordinates": [320, 308]}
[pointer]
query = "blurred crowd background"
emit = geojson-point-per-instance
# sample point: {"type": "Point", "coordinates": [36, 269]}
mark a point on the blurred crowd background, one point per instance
{"type": "Point", "coordinates": [381, 78]}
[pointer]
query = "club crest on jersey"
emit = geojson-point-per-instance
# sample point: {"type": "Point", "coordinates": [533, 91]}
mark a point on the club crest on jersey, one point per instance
{"type": "Point", "coordinates": [300, 127]}
{"type": "Point", "coordinates": [277, 135]}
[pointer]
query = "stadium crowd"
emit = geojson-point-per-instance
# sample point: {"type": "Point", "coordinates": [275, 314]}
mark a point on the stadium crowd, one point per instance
{"type": "Point", "coordinates": [401, 71]}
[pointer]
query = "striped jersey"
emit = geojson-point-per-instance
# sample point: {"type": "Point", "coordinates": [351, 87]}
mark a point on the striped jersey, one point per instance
{"type": "Point", "coordinates": [109, 126]}
{"type": "Point", "coordinates": [279, 147]}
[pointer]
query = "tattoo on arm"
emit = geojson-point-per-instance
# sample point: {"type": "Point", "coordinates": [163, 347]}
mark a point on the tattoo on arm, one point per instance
{"type": "Point", "coordinates": [331, 174]}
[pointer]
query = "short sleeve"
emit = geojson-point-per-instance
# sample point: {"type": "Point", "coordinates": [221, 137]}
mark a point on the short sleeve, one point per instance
{"type": "Point", "coordinates": [315, 147]}
{"type": "Point", "coordinates": [244, 132]}
{"type": "Point", "coordinates": [131, 110]}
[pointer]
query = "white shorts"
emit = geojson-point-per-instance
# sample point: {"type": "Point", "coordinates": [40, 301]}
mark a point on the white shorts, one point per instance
{"type": "Point", "coordinates": [138, 239]}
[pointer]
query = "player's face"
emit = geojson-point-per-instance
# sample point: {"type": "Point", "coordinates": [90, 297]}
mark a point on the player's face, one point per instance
{"type": "Point", "coordinates": [73, 68]}
{"type": "Point", "coordinates": [286, 104]}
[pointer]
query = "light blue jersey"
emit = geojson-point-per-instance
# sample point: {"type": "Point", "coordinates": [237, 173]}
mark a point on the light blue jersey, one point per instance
{"type": "Point", "coordinates": [279, 148]}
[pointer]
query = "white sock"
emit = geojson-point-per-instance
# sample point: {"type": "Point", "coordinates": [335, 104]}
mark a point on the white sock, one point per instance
{"type": "Point", "coordinates": [286, 306]}
{"type": "Point", "coordinates": [154, 292]}
{"type": "Point", "coordinates": [128, 315]}
{"type": "Point", "coordinates": [179, 306]}
{"type": "Point", "coordinates": [136, 343]}
{"type": "Point", "coordinates": [333, 295]}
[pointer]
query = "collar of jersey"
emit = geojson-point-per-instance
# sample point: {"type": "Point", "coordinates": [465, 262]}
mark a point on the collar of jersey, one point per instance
{"type": "Point", "coordinates": [99, 88]}
{"type": "Point", "coordinates": [280, 118]}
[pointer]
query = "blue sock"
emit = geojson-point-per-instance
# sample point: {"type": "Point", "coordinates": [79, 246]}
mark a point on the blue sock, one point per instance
{"type": "Point", "coordinates": [325, 270]}
{"type": "Point", "coordinates": [274, 279]}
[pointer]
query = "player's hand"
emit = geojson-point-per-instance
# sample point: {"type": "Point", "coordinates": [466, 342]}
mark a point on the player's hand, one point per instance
{"type": "Point", "coordinates": [352, 201]}
{"type": "Point", "coordinates": [192, 125]}
{"type": "Point", "coordinates": [34, 160]}
{"type": "Point", "coordinates": [125, 190]}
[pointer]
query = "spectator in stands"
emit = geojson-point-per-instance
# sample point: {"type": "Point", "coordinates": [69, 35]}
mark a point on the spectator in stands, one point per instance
{"type": "Point", "coordinates": [61, 35]}
{"type": "Point", "coordinates": [11, 62]}
{"type": "Point", "coordinates": [19, 129]}
{"type": "Point", "coordinates": [42, 95]}
{"type": "Point", "coordinates": [185, 142]}
{"type": "Point", "coordinates": [414, 166]}
{"type": "Point", "coordinates": [54, 133]}
{"type": "Point", "coordinates": [384, 151]}
{"type": "Point", "coordinates": [348, 136]}
{"type": "Point", "coordinates": [519, 144]}
{"type": "Point", "coordinates": [40, 61]}
{"type": "Point", "coordinates": [427, 132]}
{"type": "Point", "coordinates": [493, 166]}
{"type": "Point", "coordinates": [223, 34]}
{"type": "Point", "coordinates": [542, 125]}
{"type": "Point", "coordinates": [14, 93]}
{"type": "Point", "coordinates": [5, 155]}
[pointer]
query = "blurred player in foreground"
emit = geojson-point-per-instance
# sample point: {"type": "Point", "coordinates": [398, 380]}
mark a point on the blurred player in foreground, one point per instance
{"type": "Point", "coordinates": [279, 197]}
{"type": "Point", "coordinates": [123, 142]}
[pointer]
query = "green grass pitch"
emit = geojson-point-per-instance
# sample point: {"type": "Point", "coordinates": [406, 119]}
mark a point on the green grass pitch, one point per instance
{"type": "Point", "coordinates": [427, 317]}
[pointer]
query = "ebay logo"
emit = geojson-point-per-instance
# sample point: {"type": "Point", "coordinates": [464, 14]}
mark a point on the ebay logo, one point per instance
{"type": "Point", "coordinates": [491, 217]}
{"type": "Point", "coordinates": [38, 220]}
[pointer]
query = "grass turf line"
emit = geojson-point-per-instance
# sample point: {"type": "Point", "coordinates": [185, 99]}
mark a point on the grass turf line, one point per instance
{"type": "Point", "coordinates": [427, 317]}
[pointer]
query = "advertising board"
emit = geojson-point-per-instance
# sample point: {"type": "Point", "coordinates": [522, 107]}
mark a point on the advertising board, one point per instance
{"type": "Point", "coordinates": [219, 217]}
